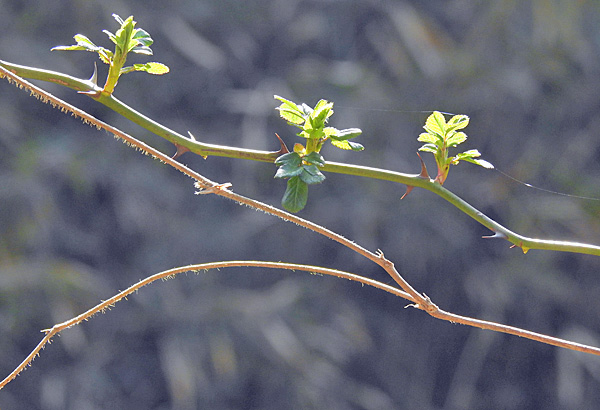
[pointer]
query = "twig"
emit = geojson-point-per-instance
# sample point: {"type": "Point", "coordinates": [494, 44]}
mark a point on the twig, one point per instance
{"type": "Point", "coordinates": [168, 274]}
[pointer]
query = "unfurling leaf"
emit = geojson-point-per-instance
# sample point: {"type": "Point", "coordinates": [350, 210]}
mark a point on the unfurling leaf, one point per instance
{"type": "Point", "coordinates": [323, 110]}
{"type": "Point", "coordinates": [299, 149]}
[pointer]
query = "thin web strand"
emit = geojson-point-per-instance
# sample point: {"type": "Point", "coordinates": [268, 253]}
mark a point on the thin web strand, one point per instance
{"type": "Point", "coordinates": [549, 191]}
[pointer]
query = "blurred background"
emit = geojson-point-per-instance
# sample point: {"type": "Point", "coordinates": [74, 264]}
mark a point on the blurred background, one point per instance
{"type": "Point", "coordinates": [83, 216]}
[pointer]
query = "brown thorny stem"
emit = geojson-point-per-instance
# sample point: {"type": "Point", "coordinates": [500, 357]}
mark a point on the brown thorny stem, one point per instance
{"type": "Point", "coordinates": [206, 186]}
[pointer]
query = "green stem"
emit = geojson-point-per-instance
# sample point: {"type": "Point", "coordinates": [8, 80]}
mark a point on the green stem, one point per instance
{"type": "Point", "coordinates": [204, 149]}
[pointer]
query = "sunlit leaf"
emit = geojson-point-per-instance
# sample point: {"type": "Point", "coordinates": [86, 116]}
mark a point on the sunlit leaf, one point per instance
{"type": "Point", "coordinates": [290, 115]}
{"type": "Point", "coordinates": [306, 109]}
{"type": "Point", "coordinates": [429, 148]}
{"type": "Point", "coordinates": [458, 122]}
{"type": "Point", "coordinates": [481, 162]}
{"type": "Point", "coordinates": [141, 50]}
{"type": "Point", "coordinates": [286, 102]}
{"type": "Point", "coordinates": [347, 134]}
{"type": "Point", "coordinates": [473, 153]}
{"type": "Point", "coordinates": [150, 68]}
{"type": "Point", "coordinates": [119, 19]}
{"type": "Point", "coordinates": [456, 139]}
{"type": "Point", "coordinates": [436, 124]}
{"type": "Point", "coordinates": [345, 145]}
{"type": "Point", "coordinates": [322, 111]}
{"type": "Point", "coordinates": [83, 43]}
{"type": "Point", "coordinates": [330, 132]}
{"type": "Point", "coordinates": [111, 36]}
{"type": "Point", "coordinates": [427, 137]}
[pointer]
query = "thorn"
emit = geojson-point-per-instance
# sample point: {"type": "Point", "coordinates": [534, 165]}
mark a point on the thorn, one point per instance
{"type": "Point", "coordinates": [520, 245]}
{"type": "Point", "coordinates": [94, 77]}
{"type": "Point", "coordinates": [424, 173]}
{"type": "Point", "coordinates": [180, 151]}
{"type": "Point", "coordinates": [91, 93]}
{"type": "Point", "coordinates": [499, 235]}
{"type": "Point", "coordinates": [186, 150]}
{"type": "Point", "coordinates": [284, 149]}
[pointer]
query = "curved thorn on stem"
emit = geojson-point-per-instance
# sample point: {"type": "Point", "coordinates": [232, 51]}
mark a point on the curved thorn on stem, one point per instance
{"type": "Point", "coordinates": [284, 149]}
{"type": "Point", "coordinates": [496, 235]}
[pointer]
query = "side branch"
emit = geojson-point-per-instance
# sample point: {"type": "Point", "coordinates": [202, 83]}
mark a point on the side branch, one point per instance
{"type": "Point", "coordinates": [168, 274]}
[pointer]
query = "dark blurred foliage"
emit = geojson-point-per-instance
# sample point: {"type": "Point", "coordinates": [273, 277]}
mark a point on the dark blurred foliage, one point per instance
{"type": "Point", "coordinates": [83, 216]}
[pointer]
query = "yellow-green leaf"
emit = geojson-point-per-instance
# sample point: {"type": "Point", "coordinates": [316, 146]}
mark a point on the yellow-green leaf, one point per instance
{"type": "Point", "coordinates": [436, 124]}
{"type": "Point", "coordinates": [456, 139]}
{"type": "Point", "coordinates": [427, 137]}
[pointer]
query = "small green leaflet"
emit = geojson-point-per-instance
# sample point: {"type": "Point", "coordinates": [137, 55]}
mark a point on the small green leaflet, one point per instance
{"type": "Point", "coordinates": [292, 165]}
{"type": "Point", "coordinates": [295, 196]}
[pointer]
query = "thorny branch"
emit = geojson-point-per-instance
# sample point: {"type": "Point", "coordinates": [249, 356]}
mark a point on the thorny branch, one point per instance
{"type": "Point", "coordinates": [420, 301]}
{"type": "Point", "coordinates": [184, 144]}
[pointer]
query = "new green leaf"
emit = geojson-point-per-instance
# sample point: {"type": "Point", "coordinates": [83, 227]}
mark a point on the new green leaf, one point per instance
{"type": "Point", "coordinates": [302, 165]}
{"type": "Point", "coordinates": [295, 196]}
{"type": "Point", "coordinates": [441, 136]}
{"type": "Point", "coordinates": [126, 39]}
